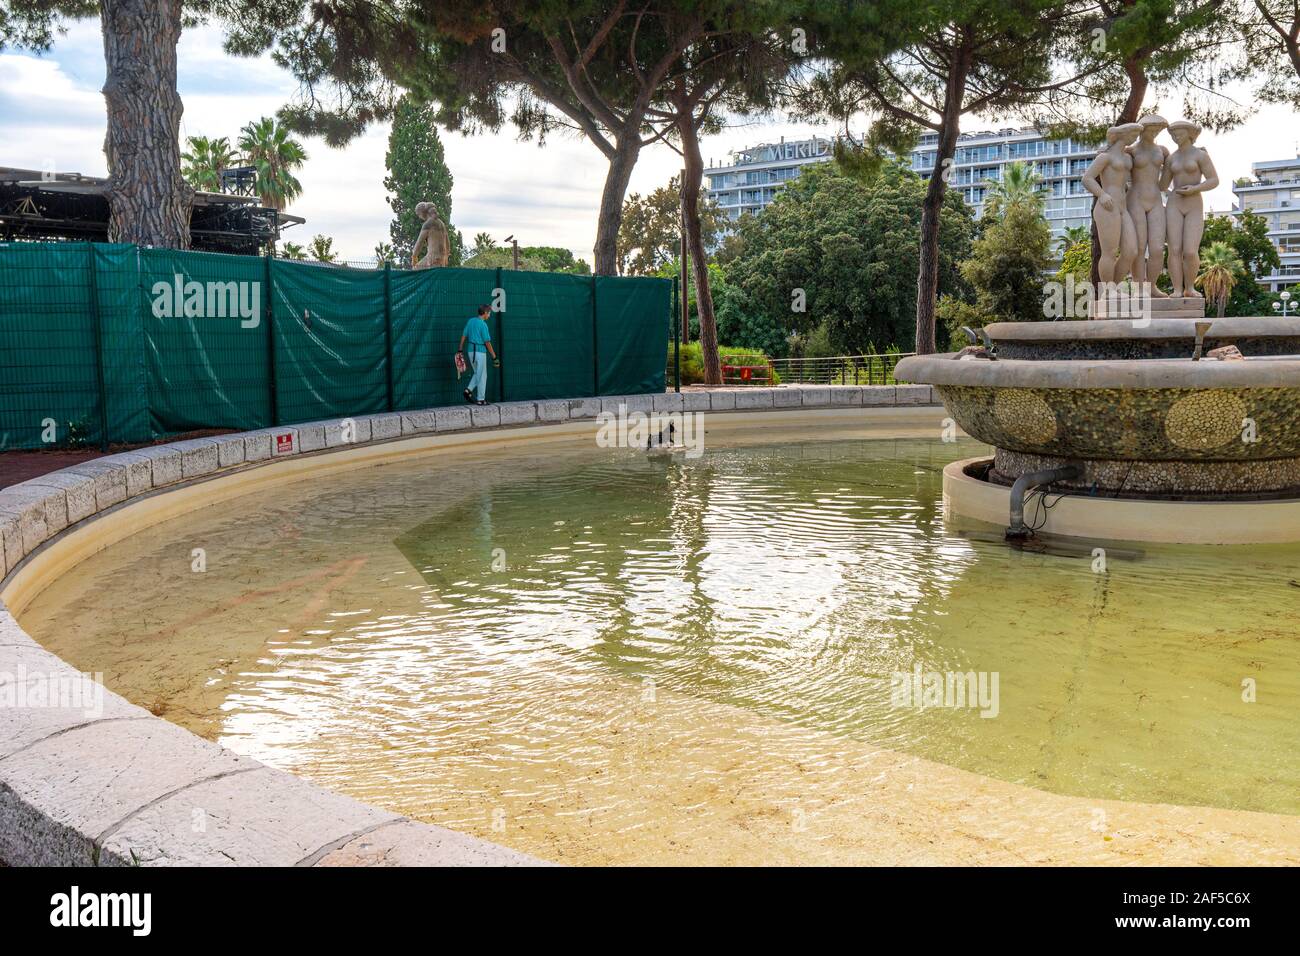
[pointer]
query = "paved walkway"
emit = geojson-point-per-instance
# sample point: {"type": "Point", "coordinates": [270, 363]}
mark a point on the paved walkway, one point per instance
{"type": "Point", "coordinates": [17, 466]}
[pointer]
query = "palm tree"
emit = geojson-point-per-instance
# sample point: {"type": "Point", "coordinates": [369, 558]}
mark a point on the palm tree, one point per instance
{"type": "Point", "coordinates": [1219, 270]}
{"type": "Point", "coordinates": [291, 250]}
{"type": "Point", "coordinates": [205, 161]}
{"type": "Point", "coordinates": [1019, 185]}
{"type": "Point", "coordinates": [322, 248]}
{"type": "Point", "coordinates": [268, 148]}
{"type": "Point", "coordinates": [483, 242]}
{"type": "Point", "coordinates": [1073, 235]}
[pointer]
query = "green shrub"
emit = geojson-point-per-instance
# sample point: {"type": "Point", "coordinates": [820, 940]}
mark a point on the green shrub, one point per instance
{"type": "Point", "coordinates": [951, 314]}
{"type": "Point", "coordinates": [818, 344]}
{"type": "Point", "coordinates": [1077, 261]}
{"type": "Point", "coordinates": [739, 321]}
{"type": "Point", "coordinates": [693, 361]}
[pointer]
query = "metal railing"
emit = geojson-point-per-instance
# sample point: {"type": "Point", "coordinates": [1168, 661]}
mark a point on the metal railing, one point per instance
{"type": "Point", "coordinates": [839, 369]}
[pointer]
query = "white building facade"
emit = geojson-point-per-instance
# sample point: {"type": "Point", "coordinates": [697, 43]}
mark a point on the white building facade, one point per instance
{"type": "Point", "coordinates": [754, 175]}
{"type": "Point", "coordinates": [981, 160]}
{"type": "Point", "coordinates": [1273, 192]}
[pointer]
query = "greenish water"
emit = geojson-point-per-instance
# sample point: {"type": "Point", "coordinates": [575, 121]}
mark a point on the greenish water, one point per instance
{"type": "Point", "coordinates": [355, 629]}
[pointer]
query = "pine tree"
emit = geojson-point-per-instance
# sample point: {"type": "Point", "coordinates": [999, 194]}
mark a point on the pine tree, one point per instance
{"type": "Point", "coordinates": [1008, 262]}
{"type": "Point", "coordinates": [417, 172]}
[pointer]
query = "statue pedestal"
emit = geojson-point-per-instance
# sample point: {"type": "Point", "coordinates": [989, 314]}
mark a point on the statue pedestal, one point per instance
{"type": "Point", "coordinates": [1126, 306]}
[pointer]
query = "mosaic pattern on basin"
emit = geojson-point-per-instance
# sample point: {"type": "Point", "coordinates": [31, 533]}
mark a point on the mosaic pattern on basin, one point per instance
{"type": "Point", "coordinates": [1275, 477]}
{"type": "Point", "coordinates": [1161, 424]}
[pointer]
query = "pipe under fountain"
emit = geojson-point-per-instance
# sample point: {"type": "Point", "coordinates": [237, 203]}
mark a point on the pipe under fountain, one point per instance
{"type": "Point", "coordinates": [1017, 529]}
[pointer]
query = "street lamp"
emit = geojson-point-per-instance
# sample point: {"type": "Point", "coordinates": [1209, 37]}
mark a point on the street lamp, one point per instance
{"type": "Point", "coordinates": [1286, 306]}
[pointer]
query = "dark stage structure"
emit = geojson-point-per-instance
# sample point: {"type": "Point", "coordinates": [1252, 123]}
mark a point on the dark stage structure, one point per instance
{"type": "Point", "coordinates": [43, 206]}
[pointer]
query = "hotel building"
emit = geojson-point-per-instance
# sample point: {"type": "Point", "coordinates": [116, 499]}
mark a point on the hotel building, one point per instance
{"type": "Point", "coordinates": [1274, 193]}
{"type": "Point", "coordinates": [751, 180]}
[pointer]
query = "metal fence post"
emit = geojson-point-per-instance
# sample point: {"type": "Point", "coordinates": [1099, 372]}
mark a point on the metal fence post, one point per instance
{"type": "Point", "coordinates": [272, 391]}
{"type": "Point", "coordinates": [677, 343]}
{"type": "Point", "coordinates": [388, 329]}
{"type": "Point", "coordinates": [98, 327]}
{"type": "Point", "coordinates": [595, 343]}
{"type": "Point", "coordinates": [501, 335]}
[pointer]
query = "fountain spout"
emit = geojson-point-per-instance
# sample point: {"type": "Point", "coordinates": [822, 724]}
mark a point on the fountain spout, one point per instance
{"type": "Point", "coordinates": [1201, 329]}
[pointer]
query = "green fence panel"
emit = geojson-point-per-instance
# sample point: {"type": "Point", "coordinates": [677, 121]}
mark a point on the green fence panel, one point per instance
{"type": "Point", "coordinates": [109, 342]}
{"type": "Point", "coordinates": [122, 343]}
{"type": "Point", "coordinates": [429, 311]}
{"type": "Point", "coordinates": [545, 336]}
{"type": "Point", "coordinates": [49, 386]}
{"type": "Point", "coordinates": [329, 341]}
{"type": "Point", "coordinates": [206, 340]}
{"type": "Point", "coordinates": [632, 331]}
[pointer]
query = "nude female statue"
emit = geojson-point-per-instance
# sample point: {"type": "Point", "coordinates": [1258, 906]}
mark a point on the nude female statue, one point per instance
{"type": "Point", "coordinates": [433, 236]}
{"type": "Point", "coordinates": [1191, 173]}
{"type": "Point", "coordinates": [1107, 179]}
{"type": "Point", "coordinates": [1146, 201]}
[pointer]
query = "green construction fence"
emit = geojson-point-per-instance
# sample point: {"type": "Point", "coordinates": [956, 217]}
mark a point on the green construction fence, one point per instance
{"type": "Point", "coordinates": [110, 343]}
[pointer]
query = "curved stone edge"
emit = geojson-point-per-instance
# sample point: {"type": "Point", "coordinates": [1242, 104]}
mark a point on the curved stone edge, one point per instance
{"type": "Point", "coordinates": [1092, 330]}
{"type": "Point", "coordinates": [89, 779]}
{"type": "Point", "coordinates": [1257, 372]}
{"type": "Point", "coordinates": [1117, 520]}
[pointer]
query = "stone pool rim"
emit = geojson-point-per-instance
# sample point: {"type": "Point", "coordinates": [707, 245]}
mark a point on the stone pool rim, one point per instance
{"type": "Point", "coordinates": [1137, 374]}
{"type": "Point", "coordinates": [123, 788]}
{"type": "Point", "coordinates": [1087, 330]}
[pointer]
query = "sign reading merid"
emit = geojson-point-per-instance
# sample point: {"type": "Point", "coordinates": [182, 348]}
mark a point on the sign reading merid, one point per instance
{"type": "Point", "coordinates": [284, 443]}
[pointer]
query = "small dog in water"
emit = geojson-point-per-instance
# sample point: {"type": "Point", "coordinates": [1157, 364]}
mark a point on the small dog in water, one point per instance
{"type": "Point", "coordinates": [656, 446]}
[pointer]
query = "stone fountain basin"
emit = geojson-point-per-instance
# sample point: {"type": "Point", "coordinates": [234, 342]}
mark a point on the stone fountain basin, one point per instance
{"type": "Point", "coordinates": [1129, 340]}
{"type": "Point", "coordinates": [1143, 410]}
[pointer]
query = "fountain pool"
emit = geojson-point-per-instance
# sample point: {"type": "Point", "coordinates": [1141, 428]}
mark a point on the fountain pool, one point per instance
{"type": "Point", "coordinates": [596, 657]}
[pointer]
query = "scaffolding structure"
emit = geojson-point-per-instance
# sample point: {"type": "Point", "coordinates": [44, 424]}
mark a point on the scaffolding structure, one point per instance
{"type": "Point", "coordinates": [46, 206]}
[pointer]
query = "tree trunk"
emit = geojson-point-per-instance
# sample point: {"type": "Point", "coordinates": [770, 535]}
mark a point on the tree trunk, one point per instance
{"type": "Point", "coordinates": [148, 199]}
{"type": "Point", "coordinates": [1135, 70]}
{"type": "Point", "coordinates": [1292, 43]}
{"type": "Point", "coordinates": [692, 178]}
{"type": "Point", "coordinates": [927, 278]}
{"type": "Point", "coordinates": [621, 164]}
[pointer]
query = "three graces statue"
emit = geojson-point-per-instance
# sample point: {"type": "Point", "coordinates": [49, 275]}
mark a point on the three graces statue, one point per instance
{"type": "Point", "coordinates": [1131, 178]}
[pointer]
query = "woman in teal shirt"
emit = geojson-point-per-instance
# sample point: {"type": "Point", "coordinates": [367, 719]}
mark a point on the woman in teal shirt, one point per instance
{"type": "Point", "coordinates": [477, 335]}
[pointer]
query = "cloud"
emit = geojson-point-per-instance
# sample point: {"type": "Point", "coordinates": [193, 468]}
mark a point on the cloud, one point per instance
{"type": "Point", "coordinates": [203, 67]}
{"type": "Point", "coordinates": [35, 92]}
{"type": "Point", "coordinates": [47, 120]}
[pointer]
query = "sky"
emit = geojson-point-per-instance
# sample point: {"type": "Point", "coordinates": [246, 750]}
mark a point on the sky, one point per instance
{"type": "Point", "coordinates": [52, 117]}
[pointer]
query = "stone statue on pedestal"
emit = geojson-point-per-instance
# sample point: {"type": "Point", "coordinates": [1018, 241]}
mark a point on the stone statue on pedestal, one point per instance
{"type": "Point", "coordinates": [1130, 179]}
{"type": "Point", "coordinates": [1107, 179]}
{"type": "Point", "coordinates": [1146, 201]}
{"type": "Point", "coordinates": [1191, 173]}
{"type": "Point", "coordinates": [433, 237]}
